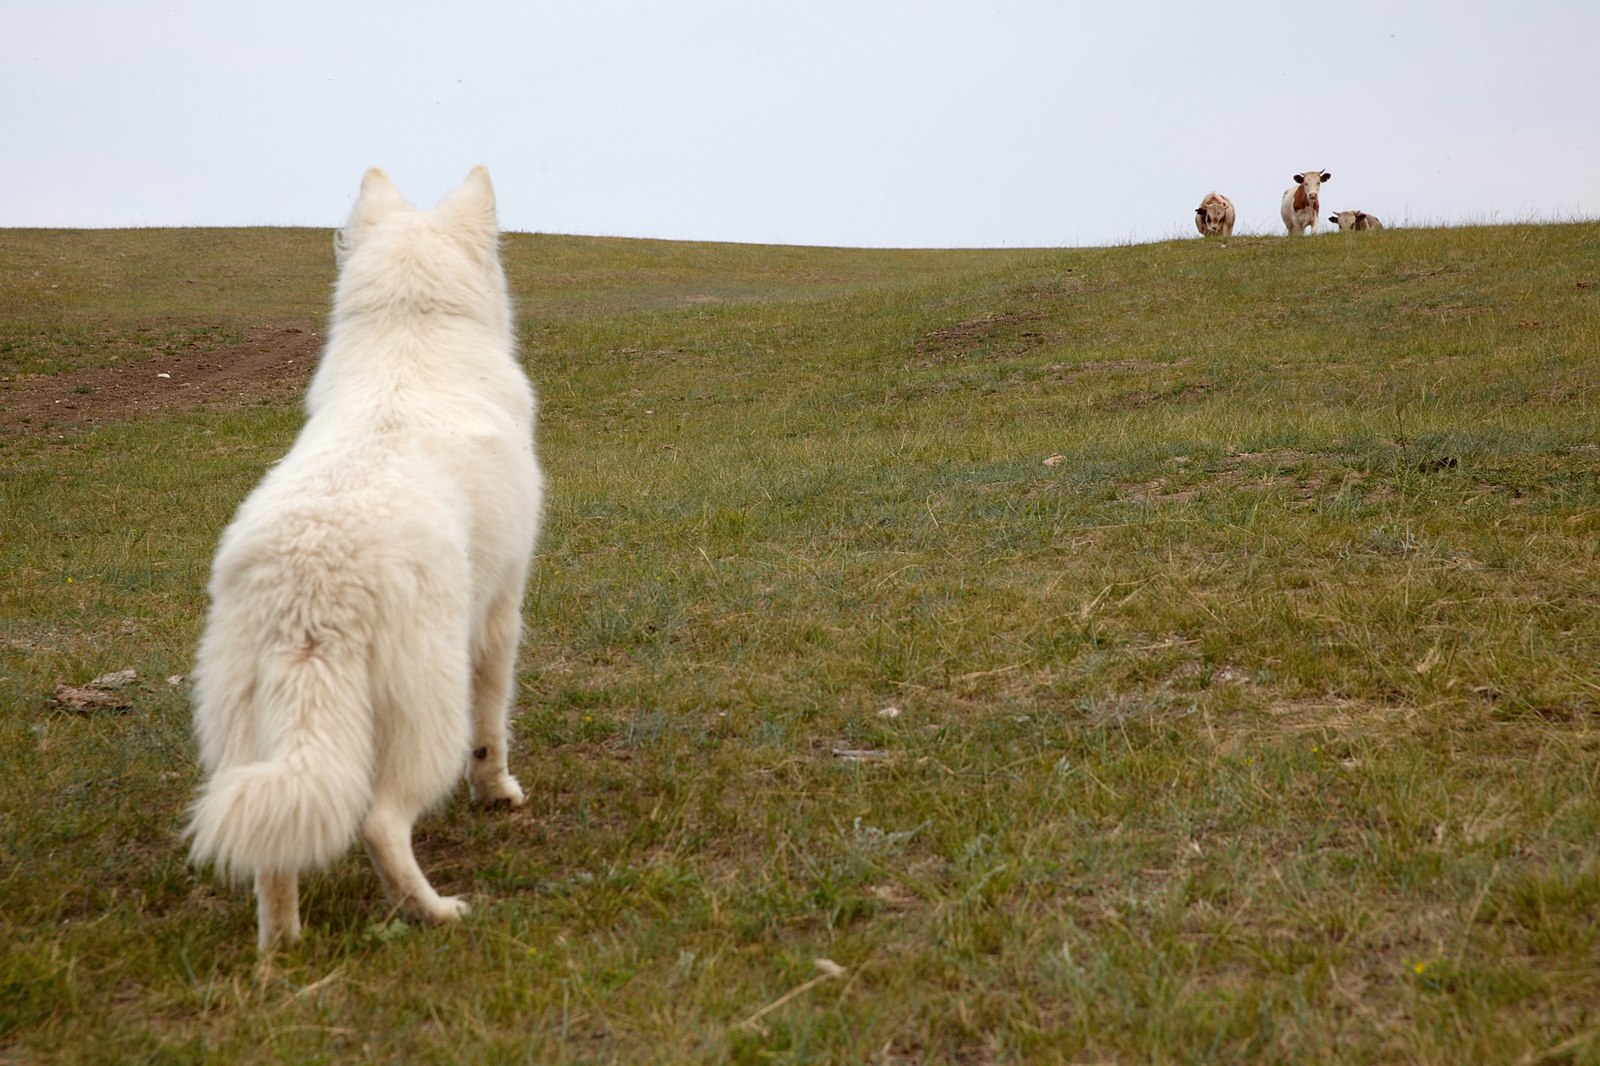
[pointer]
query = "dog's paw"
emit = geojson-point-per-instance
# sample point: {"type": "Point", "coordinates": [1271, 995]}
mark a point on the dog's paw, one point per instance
{"type": "Point", "coordinates": [445, 909]}
{"type": "Point", "coordinates": [502, 790]}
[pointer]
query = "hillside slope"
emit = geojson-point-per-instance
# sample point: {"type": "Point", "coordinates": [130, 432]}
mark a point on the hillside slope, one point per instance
{"type": "Point", "coordinates": [1185, 651]}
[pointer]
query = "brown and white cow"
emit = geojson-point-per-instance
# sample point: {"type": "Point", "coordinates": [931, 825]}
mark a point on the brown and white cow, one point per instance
{"type": "Point", "coordinates": [1300, 207]}
{"type": "Point", "coordinates": [1355, 220]}
{"type": "Point", "coordinates": [1214, 216]}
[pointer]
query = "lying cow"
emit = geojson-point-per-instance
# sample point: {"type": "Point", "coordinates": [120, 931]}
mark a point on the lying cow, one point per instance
{"type": "Point", "coordinates": [1300, 207]}
{"type": "Point", "coordinates": [1355, 220]}
{"type": "Point", "coordinates": [1214, 216]}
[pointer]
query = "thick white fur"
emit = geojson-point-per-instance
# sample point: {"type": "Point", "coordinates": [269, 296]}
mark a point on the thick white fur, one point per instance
{"type": "Point", "coordinates": [366, 599]}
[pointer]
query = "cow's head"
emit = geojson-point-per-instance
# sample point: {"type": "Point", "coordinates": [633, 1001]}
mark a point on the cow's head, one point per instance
{"type": "Point", "coordinates": [1210, 216]}
{"type": "Point", "coordinates": [1312, 180]}
{"type": "Point", "coordinates": [1309, 182]}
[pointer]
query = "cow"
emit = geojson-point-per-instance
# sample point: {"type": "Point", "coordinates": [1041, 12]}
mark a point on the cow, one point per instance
{"type": "Point", "coordinates": [1214, 216]}
{"type": "Point", "coordinates": [1300, 205]}
{"type": "Point", "coordinates": [1355, 220]}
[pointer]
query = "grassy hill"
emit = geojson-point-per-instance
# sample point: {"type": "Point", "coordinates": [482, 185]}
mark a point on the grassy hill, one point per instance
{"type": "Point", "coordinates": [1180, 652]}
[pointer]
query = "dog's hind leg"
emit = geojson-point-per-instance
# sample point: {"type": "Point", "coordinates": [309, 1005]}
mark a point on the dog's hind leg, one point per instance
{"type": "Point", "coordinates": [388, 836]}
{"type": "Point", "coordinates": [277, 908]}
{"type": "Point", "coordinates": [421, 713]}
{"type": "Point", "coordinates": [493, 672]}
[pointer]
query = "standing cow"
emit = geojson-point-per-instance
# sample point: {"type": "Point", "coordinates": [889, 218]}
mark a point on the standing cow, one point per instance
{"type": "Point", "coordinates": [1355, 220]}
{"type": "Point", "coordinates": [1300, 207]}
{"type": "Point", "coordinates": [1214, 216]}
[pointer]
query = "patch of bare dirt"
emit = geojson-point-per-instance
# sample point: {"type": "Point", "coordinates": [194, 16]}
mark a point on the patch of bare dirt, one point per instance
{"type": "Point", "coordinates": [1273, 469]}
{"type": "Point", "coordinates": [995, 333]}
{"type": "Point", "coordinates": [1142, 398]}
{"type": "Point", "coordinates": [273, 363]}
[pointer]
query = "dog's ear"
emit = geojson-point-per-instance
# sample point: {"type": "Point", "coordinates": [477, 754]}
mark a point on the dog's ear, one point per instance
{"type": "Point", "coordinates": [470, 211]}
{"type": "Point", "coordinates": [378, 198]}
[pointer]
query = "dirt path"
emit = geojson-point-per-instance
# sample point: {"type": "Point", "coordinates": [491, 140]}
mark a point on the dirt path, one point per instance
{"type": "Point", "coordinates": [273, 363]}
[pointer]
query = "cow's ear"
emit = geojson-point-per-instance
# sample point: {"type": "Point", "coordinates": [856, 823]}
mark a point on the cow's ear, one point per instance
{"type": "Point", "coordinates": [1360, 215]}
{"type": "Point", "coordinates": [1326, 176]}
{"type": "Point", "coordinates": [1299, 179]}
{"type": "Point", "coordinates": [1200, 210]}
{"type": "Point", "coordinates": [1334, 219]}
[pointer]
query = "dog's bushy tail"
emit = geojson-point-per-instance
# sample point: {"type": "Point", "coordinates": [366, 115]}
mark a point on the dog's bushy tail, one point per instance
{"type": "Point", "coordinates": [302, 806]}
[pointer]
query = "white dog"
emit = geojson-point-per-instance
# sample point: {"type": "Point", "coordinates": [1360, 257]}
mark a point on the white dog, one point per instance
{"type": "Point", "coordinates": [366, 600]}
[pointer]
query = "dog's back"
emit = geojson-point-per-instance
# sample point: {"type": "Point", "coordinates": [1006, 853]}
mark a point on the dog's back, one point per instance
{"type": "Point", "coordinates": [366, 598]}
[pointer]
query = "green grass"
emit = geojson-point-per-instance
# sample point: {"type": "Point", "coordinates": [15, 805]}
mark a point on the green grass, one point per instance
{"type": "Point", "coordinates": [1238, 607]}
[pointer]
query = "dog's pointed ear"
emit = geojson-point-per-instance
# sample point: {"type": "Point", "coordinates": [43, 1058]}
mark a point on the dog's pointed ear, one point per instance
{"type": "Point", "coordinates": [470, 209]}
{"type": "Point", "coordinates": [378, 198]}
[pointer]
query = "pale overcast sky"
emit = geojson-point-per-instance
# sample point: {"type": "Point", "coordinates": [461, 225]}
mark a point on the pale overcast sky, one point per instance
{"type": "Point", "coordinates": [984, 123]}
